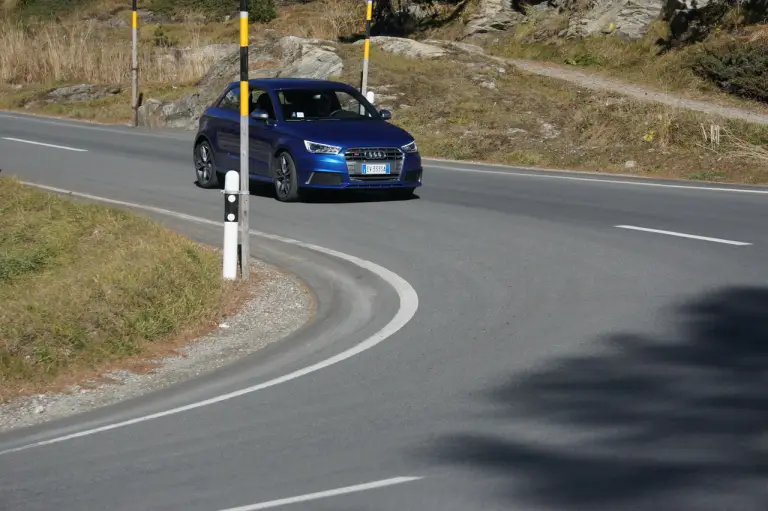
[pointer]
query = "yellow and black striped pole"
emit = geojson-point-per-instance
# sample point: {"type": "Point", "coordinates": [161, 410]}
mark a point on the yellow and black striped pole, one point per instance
{"type": "Point", "coordinates": [134, 65]}
{"type": "Point", "coordinates": [245, 237]}
{"type": "Point", "coordinates": [366, 46]}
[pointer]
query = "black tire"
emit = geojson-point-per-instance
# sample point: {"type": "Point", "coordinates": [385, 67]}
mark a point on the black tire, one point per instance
{"type": "Point", "coordinates": [205, 166]}
{"type": "Point", "coordinates": [285, 178]}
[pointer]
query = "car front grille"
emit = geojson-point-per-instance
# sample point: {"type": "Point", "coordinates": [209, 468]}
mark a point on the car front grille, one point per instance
{"type": "Point", "coordinates": [356, 156]}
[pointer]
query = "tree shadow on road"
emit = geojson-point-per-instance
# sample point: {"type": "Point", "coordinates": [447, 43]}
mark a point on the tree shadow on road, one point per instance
{"type": "Point", "coordinates": [663, 424]}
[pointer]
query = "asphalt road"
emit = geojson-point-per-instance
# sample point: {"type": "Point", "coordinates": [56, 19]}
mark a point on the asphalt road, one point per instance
{"type": "Point", "coordinates": [555, 361]}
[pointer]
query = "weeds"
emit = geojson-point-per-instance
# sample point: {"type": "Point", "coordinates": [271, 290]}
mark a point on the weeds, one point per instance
{"type": "Point", "coordinates": [537, 121]}
{"type": "Point", "coordinates": [50, 53]}
{"type": "Point", "coordinates": [82, 285]}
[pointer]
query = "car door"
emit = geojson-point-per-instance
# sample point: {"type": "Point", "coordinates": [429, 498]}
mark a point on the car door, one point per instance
{"type": "Point", "coordinates": [261, 133]}
{"type": "Point", "coordinates": [226, 130]}
{"type": "Point", "coordinates": [230, 133]}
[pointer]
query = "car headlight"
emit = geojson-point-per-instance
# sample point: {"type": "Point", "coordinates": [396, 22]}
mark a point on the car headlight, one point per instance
{"type": "Point", "coordinates": [410, 148]}
{"type": "Point", "coordinates": [318, 148]}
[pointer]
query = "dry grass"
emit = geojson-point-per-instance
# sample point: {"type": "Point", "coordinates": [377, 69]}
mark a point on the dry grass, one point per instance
{"type": "Point", "coordinates": [83, 286]}
{"type": "Point", "coordinates": [638, 62]}
{"type": "Point", "coordinates": [52, 53]}
{"type": "Point", "coordinates": [321, 19]}
{"type": "Point", "coordinates": [536, 121]}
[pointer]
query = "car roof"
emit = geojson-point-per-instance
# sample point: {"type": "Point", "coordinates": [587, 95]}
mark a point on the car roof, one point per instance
{"type": "Point", "coordinates": [293, 83]}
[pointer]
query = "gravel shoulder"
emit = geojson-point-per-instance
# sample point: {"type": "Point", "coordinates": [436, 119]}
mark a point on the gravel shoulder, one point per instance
{"type": "Point", "coordinates": [279, 305]}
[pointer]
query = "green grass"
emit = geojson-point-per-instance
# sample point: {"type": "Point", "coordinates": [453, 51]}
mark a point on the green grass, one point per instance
{"type": "Point", "coordinates": [84, 285]}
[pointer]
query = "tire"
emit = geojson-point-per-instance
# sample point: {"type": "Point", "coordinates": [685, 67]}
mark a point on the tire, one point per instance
{"type": "Point", "coordinates": [205, 166]}
{"type": "Point", "coordinates": [285, 178]}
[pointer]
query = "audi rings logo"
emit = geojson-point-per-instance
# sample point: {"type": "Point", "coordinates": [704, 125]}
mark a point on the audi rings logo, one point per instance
{"type": "Point", "coordinates": [375, 155]}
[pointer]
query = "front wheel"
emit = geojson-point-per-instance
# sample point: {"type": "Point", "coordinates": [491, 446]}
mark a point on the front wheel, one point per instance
{"type": "Point", "coordinates": [205, 166]}
{"type": "Point", "coordinates": [286, 178]}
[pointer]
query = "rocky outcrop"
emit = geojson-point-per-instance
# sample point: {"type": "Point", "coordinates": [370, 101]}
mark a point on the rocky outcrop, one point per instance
{"type": "Point", "coordinates": [210, 52]}
{"type": "Point", "coordinates": [627, 18]}
{"type": "Point", "coordinates": [406, 47]}
{"type": "Point", "coordinates": [82, 92]}
{"type": "Point", "coordinates": [73, 94]}
{"type": "Point", "coordinates": [492, 16]}
{"type": "Point", "coordinates": [286, 57]}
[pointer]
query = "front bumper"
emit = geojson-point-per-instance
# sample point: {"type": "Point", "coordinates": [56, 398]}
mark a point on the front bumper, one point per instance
{"type": "Point", "coordinates": [345, 171]}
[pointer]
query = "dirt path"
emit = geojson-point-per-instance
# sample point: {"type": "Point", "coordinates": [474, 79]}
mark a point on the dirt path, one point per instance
{"type": "Point", "coordinates": [601, 84]}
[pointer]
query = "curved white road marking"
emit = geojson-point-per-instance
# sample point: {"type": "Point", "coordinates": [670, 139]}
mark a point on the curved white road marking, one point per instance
{"type": "Point", "coordinates": [67, 148]}
{"type": "Point", "coordinates": [409, 303]}
{"type": "Point", "coordinates": [683, 235]}
{"type": "Point", "coordinates": [325, 494]}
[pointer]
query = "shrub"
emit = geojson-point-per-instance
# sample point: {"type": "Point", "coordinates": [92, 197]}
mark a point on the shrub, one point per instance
{"type": "Point", "coordinates": [736, 67]}
{"type": "Point", "coordinates": [47, 9]}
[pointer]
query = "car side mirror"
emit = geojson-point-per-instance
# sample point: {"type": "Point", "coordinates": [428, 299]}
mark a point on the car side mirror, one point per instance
{"type": "Point", "coordinates": [385, 114]}
{"type": "Point", "coordinates": [258, 113]}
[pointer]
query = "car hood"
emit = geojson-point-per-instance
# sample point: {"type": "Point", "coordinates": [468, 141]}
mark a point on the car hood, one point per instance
{"type": "Point", "coordinates": [350, 133]}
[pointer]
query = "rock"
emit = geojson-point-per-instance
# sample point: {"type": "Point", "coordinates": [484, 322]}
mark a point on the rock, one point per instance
{"type": "Point", "coordinates": [115, 23]}
{"type": "Point", "coordinates": [308, 58]}
{"type": "Point", "coordinates": [210, 52]}
{"type": "Point", "coordinates": [39, 409]}
{"type": "Point", "coordinates": [628, 18]}
{"type": "Point", "coordinates": [488, 85]}
{"type": "Point", "coordinates": [549, 130]}
{"type": "Point", "coordinates": [630, 164]}
{"type": "Point", "coordinates": [82, 92]}
{"type": "Point", "coordinates": [285, 57]}
{"type": "Point", "coordinates": [492, 16]}
{"type": "Point", "coordinates": [407, 47]}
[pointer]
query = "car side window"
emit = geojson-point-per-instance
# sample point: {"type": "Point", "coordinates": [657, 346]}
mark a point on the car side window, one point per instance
{"type": "Point", "coordinates": [260, 99]}
{"type": "Point", "coordinates": [230, 101]}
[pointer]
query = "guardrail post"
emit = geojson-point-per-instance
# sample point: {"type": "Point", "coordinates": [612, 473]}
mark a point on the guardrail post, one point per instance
{"type": "Point", "coordinates": [231, 210]}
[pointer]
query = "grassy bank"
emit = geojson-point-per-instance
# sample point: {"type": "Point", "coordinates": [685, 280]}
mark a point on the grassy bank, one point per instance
{"type": "Point", "coordinates": [531, 120]}
{"type": "Point", "coordinates": [84, 286]}
{"type": "Point", "coordinates": [643, 62]}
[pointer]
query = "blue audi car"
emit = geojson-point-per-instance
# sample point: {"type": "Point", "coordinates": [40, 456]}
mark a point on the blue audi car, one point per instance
{"type": "Point", "coordinates": [307, 134]}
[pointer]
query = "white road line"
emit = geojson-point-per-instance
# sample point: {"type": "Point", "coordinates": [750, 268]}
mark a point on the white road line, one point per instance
{"type": "Point", "coordinates": [325, 494]}
{"type": "Point", "coordinates": [683, 235]}
{"type": "Point", "coordinates": [46, 145]}
{"type": "Point", "coordinates": [538, 174]}
{"type": "Point", "coordinates": [409, 303]}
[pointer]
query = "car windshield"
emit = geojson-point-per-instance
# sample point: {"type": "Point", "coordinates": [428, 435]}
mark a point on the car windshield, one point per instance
{"type": "Point", "coordinates": [323, 104]}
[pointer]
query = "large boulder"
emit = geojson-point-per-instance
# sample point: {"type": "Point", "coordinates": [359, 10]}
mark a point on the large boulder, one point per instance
{"type": "Point", "coordinates": [406, 47]}
{"type": "Point", "coordinates": [285, 57]}
{"type": "Point", "coordinates": [207, 53]}
{"type": "Point", "coordinates": [629, 19]}
{"type": "Point", "coordinates": [492, 16]}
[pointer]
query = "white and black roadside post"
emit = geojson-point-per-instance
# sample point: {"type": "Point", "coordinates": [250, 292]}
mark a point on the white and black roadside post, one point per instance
{"type": "Point", "coordinates": [245, 238]}
{"type": "Point", "coordinates": [231, 210]}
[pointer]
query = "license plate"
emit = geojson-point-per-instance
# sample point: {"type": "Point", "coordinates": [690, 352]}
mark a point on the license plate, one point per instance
{"type": "Point", "coordinates": [376, 168]}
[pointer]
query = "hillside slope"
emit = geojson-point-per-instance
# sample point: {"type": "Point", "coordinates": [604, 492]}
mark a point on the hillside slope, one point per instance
{"type": "Point", "coordinates": [462, 100]}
